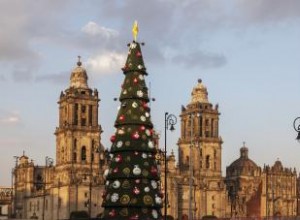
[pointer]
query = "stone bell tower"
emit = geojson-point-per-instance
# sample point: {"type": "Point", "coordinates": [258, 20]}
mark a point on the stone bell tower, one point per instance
{"type": "Point", "coordinates": [200, 156]}
{"type": "Point", "coordinates": [78, 134]}
{"type": "Point", "coordinates": [201, 120]}
{"type": "Point", "coordinates": [80, 159]}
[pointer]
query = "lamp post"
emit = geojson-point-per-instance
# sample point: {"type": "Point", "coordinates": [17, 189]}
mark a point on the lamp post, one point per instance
{"type": "Point", "coordinates": [92, 158]}
{"type": "Point", "coordinates": [192, 115]}
{"type": "Point", "coordinates": [48, 163]}
{"type": "Point", "coordinates": [297, 128]}
{"type": "Point", "coordinates": [170, 121]}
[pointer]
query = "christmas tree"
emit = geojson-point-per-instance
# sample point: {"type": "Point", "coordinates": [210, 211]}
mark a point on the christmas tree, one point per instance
{"type": "Point", "coordinates": [132, 189]}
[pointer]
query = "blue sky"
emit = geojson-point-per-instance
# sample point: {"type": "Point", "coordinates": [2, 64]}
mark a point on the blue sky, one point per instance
{"type": "Point", "coordinates": [246, 52]}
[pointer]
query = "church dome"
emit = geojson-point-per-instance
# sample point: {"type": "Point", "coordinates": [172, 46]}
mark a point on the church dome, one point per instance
{"type": "Point", "coordinates": [79, 76]}
{"type": "Point", "coordinates": [199, 93]}
{"type": "Point", "coordinates": [243, 165]}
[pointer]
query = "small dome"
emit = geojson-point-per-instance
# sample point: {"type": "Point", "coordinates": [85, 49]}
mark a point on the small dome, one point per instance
{"type": "Point", "coordinates": [277, 166]}
{"type": "Point", "coordinates": [199, 93]}
{"type": "Point", "coordinates": [79, 76]}
{"type": "Point", "coordinates": [243, 165]}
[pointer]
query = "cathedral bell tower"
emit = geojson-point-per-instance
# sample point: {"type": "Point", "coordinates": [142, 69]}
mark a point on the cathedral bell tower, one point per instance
{"type": "Point", "coordinates": [78, 134]}
{"type": "Point", "coordinates": [200, 127]}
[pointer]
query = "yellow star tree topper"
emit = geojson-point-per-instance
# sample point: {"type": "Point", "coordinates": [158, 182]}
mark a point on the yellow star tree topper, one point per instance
{"type": "Point", "coordinates": [135, 30]}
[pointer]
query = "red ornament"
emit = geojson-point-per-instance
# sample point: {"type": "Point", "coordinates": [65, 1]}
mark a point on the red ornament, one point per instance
{"type": "Point", "coordinates": [112, 213]}
{"type": "Point", "coordinates": [134, 217]}
{"type": "Point", "coordinates": [138, 54]}
{"type": "Point", "coordinates": [137, 181]}
{"type": "Point", "coordinates": [135, 80]}
{"type": "Point", "coordinates": [136, 135]}
{"type": "Point", "coordinates": [142, 128]}
{"type": "Point", "coordinates": [118, 158]}
{"type": "Point", "coordinates": [136, 190]}
{"type": "Point", "coordinates": [122, 118]}
{"type": "Point", "coordinates": [116, 170]}
{"type": "Point", "coordinates": [145, 105]}
{"type": "Point", "coordinates": [113, 138]}
{"type": "Point", "coordinates": [153, 171]}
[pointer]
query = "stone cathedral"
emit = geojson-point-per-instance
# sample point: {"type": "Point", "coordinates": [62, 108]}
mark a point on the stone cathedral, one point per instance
{"type": "Point", "coordinates": [195, 185]}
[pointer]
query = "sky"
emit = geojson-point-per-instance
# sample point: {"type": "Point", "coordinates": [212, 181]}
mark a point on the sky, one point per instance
{"type": "Point", "coordinates": [247, 53]}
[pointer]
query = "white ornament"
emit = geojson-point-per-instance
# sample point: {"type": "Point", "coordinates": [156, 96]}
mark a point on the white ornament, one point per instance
{"type": "Point", "coordinates": [141, 77]}
{"type": "Point", "coordinates": [147, 114]}
{"type": "Point", "coordinates": [107, 183]}
{"type": "Point", "coordinates": [116, 184]}
{"type": "Point", "coordinates": [125, 92]}
{"type": "Point", "coordinates": [148, 132]}
{"type": "Point", "coordinates": [121, 131]}
{"type": "Point", "coordinates": [143, 118]}
{"type": "Point", "coordinates": [134, 105]}
{"type": "Point", "coordinates": [136, 170]}
{"type": "Point", "coordinates": [119, 144]}
{"type": "Point", "coordinates": [114, 197]}
{"type": "Point", "coordinates": [157, 199]}
{"type": "Point", "coordinates": [105, 173]}
{"type": "Point", "coordinates": [133, 45]}
{"type": "Point", "coordinates": [147, 189]}
{"type": "Point", "coordinates": [150, 144]}
{"type": "Point", "coordinates": [154, 213]}
{"type": "Point", "coordinates": [119, 107]}
{"type": "Point", "coordinates": [144, 155]}
{"type": "Point", "coordinates": [153, 184]}
{"type": "Point", "coordinates": [140, 93]}
{"type": "Point", "coordinates": [140, 66]}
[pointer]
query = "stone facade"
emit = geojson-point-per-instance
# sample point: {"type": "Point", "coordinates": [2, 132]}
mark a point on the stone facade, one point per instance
{"type": "Point", "coordinates": [200, 153]}
{"type": "Point", "coordinates": [5, 202]}
{"type": "Point", "coordinates": [271, 191]}
{"type": "Point", "coordinates": [75, 183]}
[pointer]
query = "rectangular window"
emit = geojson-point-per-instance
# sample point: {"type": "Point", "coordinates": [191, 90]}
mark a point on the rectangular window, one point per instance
{"type": "Point", "coordinates": [0, 210]}
{"type": "Point", "coordinates": [83, 122]}
{"type": "Point", "coordinates": [76, 114]}
{"type": "Point", "coordinates": [83, 108]}
{"type": "Point", "coordinates": [85, 194]}
{"type": "Point", "coordinates": [90, 114]}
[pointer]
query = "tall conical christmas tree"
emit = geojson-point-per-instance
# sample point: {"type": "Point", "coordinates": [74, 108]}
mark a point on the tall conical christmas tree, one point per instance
{"type": "Point", "coordinates": [133, 180]}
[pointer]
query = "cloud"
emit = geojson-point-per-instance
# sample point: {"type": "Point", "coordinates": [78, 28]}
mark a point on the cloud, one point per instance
{"type": "Point", "coordinates": [201, 59]}
{"type": "Point", "coordinates": [2, 78]}
{"type": "Point", "coordinates": [9, 118]}
{"type": "Point", "coordinates": [22, 74]}
{"type": "Point", "coordinates": [267, 11]}
{"type": "Point", "coordinates": [56, 78]}
{"type": "Point", "coordinates": [93, 29]}
{"type": "Point", "coordinates": [106, 63]}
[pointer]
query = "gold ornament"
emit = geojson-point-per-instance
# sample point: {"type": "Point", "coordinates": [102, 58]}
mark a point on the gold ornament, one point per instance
{"type": "Point", "coordinates": [124, 212]}
{"type": "Point", "coordinates": [125, 199]}
{"type": "Point", "coordinates": [126, 171]}
{"type": "Point", "coordinates": [126, 184]}
{"type": "Point", "coordinates": [148, 200]}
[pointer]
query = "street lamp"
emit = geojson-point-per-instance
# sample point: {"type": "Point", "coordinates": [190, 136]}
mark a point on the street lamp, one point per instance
{"type": "Point", "coordinates": [297, 128]}
{"type": "Point", "coordinates": [170, 121]}
{"type": "Point", "coordinates": [94, 149]}
{"type": "Point", "coordinates": [192, 115]}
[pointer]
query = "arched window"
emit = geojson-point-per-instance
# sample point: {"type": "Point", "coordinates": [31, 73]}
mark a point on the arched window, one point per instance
{"type": "Point", "coordinates": [83, 153]}
{"type": "Point", "coordinates": [207, 162]}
